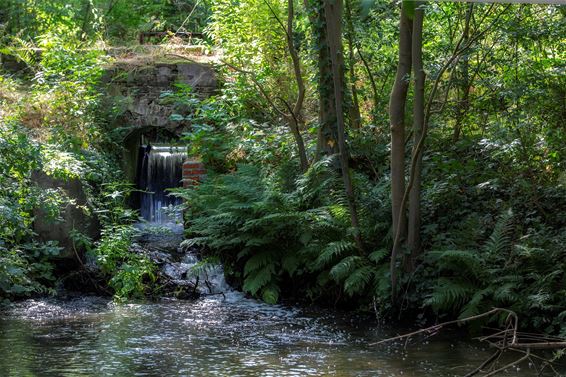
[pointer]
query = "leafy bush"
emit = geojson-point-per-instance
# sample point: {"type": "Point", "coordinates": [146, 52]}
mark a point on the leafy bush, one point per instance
{"type": "Point", "coordinates": [130, 274]}
{"type": "Point", "coordinates": [272, 239]}
{"type": "Point", "coordinates": [54, 128]}
{"type": "Point", "coordinates": [507, 271]}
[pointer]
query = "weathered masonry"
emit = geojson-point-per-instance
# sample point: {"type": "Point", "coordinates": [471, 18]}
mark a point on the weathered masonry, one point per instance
{"type": "Point", "coordinates": [148, 122]}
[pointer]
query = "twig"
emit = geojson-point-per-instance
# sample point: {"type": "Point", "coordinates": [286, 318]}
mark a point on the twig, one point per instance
{"type": "Point", "coordinates": [444, 324]}
{"type": "Point", "coordinates": [518, 361]}
{"type": "Point", "coordinates": [490, 360]}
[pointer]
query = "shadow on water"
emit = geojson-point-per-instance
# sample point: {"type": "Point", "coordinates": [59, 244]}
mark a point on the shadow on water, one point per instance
{"type": "Point", "coordinates": [216, 335]}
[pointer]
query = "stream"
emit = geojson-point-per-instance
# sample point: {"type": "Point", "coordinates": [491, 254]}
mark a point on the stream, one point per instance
{"type": "Point", "coordinates": [216, 336]}
{"type": "Point", "coordinates": [222, 333]}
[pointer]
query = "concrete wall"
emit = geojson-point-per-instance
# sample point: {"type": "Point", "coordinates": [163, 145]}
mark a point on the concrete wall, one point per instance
{"type": "Point", "coordinates": [73, 217]}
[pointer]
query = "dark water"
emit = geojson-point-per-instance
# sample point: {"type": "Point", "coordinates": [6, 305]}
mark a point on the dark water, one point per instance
{"type": "Point", "coordinates": [214, 336]}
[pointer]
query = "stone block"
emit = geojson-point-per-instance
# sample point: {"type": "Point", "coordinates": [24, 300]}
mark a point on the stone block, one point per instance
{"type": "Point", "coordinates": [74, 218]}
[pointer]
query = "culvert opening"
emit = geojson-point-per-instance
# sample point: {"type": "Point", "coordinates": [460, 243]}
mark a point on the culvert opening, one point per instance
{"type": "Point", "coordinates": [160, 168]}
{"type": "Point", "coordinates": [158, 161]}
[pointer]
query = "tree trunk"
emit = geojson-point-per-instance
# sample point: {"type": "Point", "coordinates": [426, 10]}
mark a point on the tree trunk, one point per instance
{"type": "Point", "coordinates": [85, 25]}
{"type": "Point", "coordinates": [296, 112]}
{"type": "Point", "coordinates": [354, 110]}
{"type": "Point", "coordinates": [375, 94]}
{"type": "Point", "coordinates": [414, 234]}
{"type": "Point", "coordinates": [294, 117]}
{"type": "Point", "coordinates": [333, 13]}
{"type": "Point", "coordinates": [327, 144]}
{"type": "Point", "coordinates": [464, 103]}
{"type": "Point", "coordinates": [397, 119]}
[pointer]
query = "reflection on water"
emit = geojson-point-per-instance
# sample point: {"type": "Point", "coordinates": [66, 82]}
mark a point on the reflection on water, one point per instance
{"type": "Point", "coordinates": [216, 335]}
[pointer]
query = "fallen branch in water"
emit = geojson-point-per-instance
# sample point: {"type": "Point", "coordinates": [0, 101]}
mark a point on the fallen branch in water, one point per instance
{"type": "Point", "coordinates": [509, 339]}
{"type": "Point", "coordinates": [435, 328]}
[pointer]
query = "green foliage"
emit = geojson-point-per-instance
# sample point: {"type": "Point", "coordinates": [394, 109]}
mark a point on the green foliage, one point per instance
{"type": "Point", "coordinates": [26, 267]}
{"type": "Point", "coordinates": [496, 141]}
{"type": "Point", "coordinates": [130, 274]}
{"type": "Point", "coordinates": [273, 239]}
{"type": "Point", "coordinates": [55, 128]}
{"type": "Point", "coordinates": [503, 273]}
{"type": "Point", "coordinates": [95, 19]}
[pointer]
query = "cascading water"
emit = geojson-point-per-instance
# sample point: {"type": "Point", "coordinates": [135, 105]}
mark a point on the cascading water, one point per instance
{"type": "Point", "coordinates": [161, 168]}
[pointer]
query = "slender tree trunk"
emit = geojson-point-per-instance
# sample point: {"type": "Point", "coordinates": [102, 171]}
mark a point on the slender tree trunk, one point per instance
{"type": "Point", "coordinates": [373, 85]}
{"type": "Point", "coordinates": [300, 145]}
{"type": "Point", "coordinates": [414, 234]}
{"type": "Point", "coordinates": [464, 104]}
{"type": "Point", "coordinates": [355, 117]}
{"type": "Point", "coordinates": [327, 144]}
{"type": "Point", "coordinates": [296, 112]}
{"type": "Point", "coordinates": [397, 120]}
{"type": "Point", "coordinates": [85, 25]}
{"type": "Point", "coordinates": [294, 117]}
{"type": "Point", "coordinates": [333, 13]}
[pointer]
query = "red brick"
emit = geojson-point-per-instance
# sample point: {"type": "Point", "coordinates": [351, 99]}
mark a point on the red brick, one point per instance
{"type": "Point", "coordinates": [194, 172]}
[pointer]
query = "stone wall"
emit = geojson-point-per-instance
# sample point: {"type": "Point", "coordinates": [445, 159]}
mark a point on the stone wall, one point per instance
{"type": "Point", "coordinates": [136, 88]}
{"type": "Point", "coordinates": [139, 89]}
{"type": "Point", "coordinates": [73, 217]}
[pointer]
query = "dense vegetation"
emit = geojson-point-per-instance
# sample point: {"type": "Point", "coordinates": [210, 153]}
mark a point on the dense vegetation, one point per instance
{"type": "Point", "coordinates": [405, 159]}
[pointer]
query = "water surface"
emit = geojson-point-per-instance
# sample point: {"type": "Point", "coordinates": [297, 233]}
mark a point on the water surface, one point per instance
{"type": "Point", "coordinates": [217, 335]}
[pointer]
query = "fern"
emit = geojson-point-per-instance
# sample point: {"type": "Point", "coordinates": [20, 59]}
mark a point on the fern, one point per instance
{"type": "Point", "coordinates": [345, 267]}
{"type": "Point", "coordinates": [450, 293]}
{"type": "Point", "coordinates": [257, 262]}
{"type": "Point", "coordinates": [332, 251]}
{"type": "Point", "coordinates": [378, 255]}
{"type": "Point", "coordinates": [358, 280]}
{"type": "Point", "coordinates": [463, 262]}
{"type": "Point", "coordinates": [273, 235]}
{"type": "Point", "coordinates": [270, 293]}
{"type": "Point", "coordinates": [258, 279]}
{"type": "Point", "coordinates": [500, 240]}
{"type": "Point", "coordinates": [476, 304]}
{"type": "Point", "coordinates": [290, 263]}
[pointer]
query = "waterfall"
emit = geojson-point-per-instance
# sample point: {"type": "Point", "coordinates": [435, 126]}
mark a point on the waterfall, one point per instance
{"type": "Point", "coordinates": [161, 168]}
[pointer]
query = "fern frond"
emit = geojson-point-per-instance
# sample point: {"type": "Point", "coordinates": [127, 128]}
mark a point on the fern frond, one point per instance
{"type": "Point", "coordinates": [332, 251]}
{"type": "Point", "coordinates": [449, 294]}
{"type": "Point", "coordinates": [258, 279]}
{"type": "Point", "coordinates": [258, 261]}
{"type": "Point", "coordinates": [270, 293]}
{"type": "Point", "coordinates": [461, 262]}
{"type": "Point", "coordinates": [474, 305]}
{"type": "Point", "coordinates": [505, 293]}
{"type": "Point", "coordinates": [500, 240]}
{"type": "Point", "coordinates": [358, 280]}
{"type": "Point", "coordinates": [378, 255]}
{"type": "Point", "coordinates": [382, 281]}
{"type": "Point", "coordinates": [290, 263]}
{"type": "Point", "coordinates": [345, 267]}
